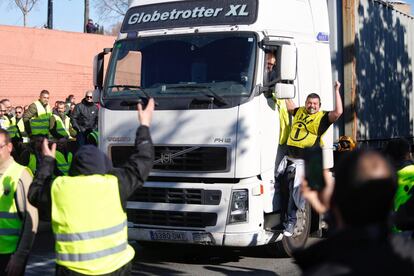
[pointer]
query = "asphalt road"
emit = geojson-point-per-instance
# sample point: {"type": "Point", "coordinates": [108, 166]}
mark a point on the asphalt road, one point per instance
{"type": "Point", "coordinates": [178, 260]}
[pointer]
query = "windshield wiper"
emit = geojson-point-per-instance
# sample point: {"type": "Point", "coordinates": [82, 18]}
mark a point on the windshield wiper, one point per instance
{"type": "Point", "coordinates": [124, 86]}
{"type": "Point", "coordinates": [219, 99]}
{"type": "Point", "coordinates": [142, 100]}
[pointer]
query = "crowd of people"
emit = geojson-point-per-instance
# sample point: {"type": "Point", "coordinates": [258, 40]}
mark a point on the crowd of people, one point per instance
{"type": "Point", "coordinates": [91, 235]}
{"type": "Point", "coordinates": [68, 124]}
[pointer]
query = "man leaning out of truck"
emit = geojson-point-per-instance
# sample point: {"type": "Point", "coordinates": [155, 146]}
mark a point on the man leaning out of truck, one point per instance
{"type": "Point", "coordinates": [308, 125]}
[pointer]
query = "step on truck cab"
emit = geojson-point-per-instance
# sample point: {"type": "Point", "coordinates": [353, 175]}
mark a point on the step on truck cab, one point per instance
{"type": "Point", "coordinates": [216, 125]}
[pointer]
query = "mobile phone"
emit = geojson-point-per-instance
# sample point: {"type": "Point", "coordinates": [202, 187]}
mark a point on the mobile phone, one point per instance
{"type": "Point", "coordinates": [314, 168]}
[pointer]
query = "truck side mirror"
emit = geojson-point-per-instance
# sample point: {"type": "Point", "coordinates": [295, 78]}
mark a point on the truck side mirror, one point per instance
{"type": "Point", "coordinates": [287, 59]}
{"type": "Point", "coordinates": [98, 68]}
{"type": "Point", "coordinates": [96, 95]}
{"type": "Point", "coordinates": [284, 91]}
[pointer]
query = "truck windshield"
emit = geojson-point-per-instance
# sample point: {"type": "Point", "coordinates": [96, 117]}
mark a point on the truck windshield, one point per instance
{"type": "Point", "coordinates": [183, 71]}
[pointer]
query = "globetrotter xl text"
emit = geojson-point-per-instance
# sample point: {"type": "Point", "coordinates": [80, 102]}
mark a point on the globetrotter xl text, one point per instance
{"type": "Point", "coordinates": [197, 12]}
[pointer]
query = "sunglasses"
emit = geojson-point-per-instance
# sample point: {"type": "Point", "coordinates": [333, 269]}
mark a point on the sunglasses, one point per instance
{"type": "Point", "coordinates": [17, 112]}
{"type": "Point", "coordinates": [88, 97]}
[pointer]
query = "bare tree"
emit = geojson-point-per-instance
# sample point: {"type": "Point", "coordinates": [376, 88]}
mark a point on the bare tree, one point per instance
{"type": "Point", "coordinates": [112, 9]}
{"type": "Point", "coordinates": [25, 6]}
{"type": "Point", "coordinates": [114, 29]}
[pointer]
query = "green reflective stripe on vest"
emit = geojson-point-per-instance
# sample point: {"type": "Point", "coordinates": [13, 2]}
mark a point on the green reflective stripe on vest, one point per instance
{"type": "Point", "coordinates": [92, 234]}
{"type": "Point", "coordinates": [9, 232]}
{"type": "Point", "coordinates": [63, 164]}
{"type": "Point", "coordinates": [12, 129]}
{"type": "Point", "coordinates": [89, 224]}
{"type": "Point", "coordinates": [40, 124]}
{"type": "Point", "coordinates": [94, 135]}
{"type": "Point", "coordinates": [92, 256]}
{"type": "Point", "coordinates": [8, 215]}
{"type": "Point", "coordinates": [405, 184]}
{"type": "Point", "coordinates": [62, 128]}
{"type": "Point", "coordinates": [10, 222]}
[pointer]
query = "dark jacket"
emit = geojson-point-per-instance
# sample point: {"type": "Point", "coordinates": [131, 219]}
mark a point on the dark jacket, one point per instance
{"type": "Point", "coordinates": [85, 117]}
{"type": "Point", "coordinates": [362, 251]}
{"type": "Point", "coordinates": [89, 160]}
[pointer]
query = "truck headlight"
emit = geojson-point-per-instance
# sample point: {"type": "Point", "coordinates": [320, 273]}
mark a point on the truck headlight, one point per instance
{"type": "Point", "coordinates": [239, 206]}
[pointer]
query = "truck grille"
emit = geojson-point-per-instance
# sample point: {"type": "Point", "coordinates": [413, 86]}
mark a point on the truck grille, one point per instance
{"type": "Point", "coordinates": [177, 196]}
{"type": "Point", "coordinates": [169, 218]}
{"type": "Point", "coordinates": [179, 158]}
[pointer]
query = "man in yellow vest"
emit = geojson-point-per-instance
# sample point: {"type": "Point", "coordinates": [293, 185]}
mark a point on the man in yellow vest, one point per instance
{"type": "Point", "coordinates": [88, 206]}
{"type": "Point", "coordinates": [18, 218]}
{"type": "Point", "coordinates": [17, 132]}
{"type": "Point", "coordinates": [60, 125]}
{"type": "Point", "coordinates": [308, 125]}
{"type": "Point", "coordinates": [37, 117]}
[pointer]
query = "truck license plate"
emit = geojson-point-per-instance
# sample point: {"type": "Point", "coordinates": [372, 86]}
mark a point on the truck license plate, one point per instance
{"type": "Point", "coordinates": [168, 236]}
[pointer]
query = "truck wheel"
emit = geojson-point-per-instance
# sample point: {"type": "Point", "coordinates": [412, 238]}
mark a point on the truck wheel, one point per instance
{"type": "Point", "coordinates": [300, 235]}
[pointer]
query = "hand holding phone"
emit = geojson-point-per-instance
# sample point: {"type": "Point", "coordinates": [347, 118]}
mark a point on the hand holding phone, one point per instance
{"type": "Point", "coordinates": [314, 168]}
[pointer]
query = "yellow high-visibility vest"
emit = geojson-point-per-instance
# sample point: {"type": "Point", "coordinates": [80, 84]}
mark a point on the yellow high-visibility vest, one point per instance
{"type": "Point", "coordinates": [304, 130]}
{"type": "Point", "coordinates": [32, 163]}
{"type": "Point", "coordinates": [405, 184]}
{"type": "Point", "coordinates": [10, 222]}
{"type": "Point", "coordinates": [63, 162]}
{"type": "Point", "coordinates": [20, 125]}
{"type": "Point", "coordinates": [284, 121]}
{"type": "Point", "coordinates": [62, 127]}
{"type": "Point", "coordinates": [12, 128]}
{"type": "Point", "coordinates": [40, 124]}
{"type": "Point", "coordinates": [89, 224]}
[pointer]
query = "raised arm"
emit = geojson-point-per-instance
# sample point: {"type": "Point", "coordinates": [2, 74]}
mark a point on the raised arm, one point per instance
{"type": "Point", "coordinates": [39, 191]}
{"type": "Point", "coordinates": [337, 112]}
{"type": "Point", "coordinates": [291, 106]}
{"type": "Point", "coordinates": [135, 172]}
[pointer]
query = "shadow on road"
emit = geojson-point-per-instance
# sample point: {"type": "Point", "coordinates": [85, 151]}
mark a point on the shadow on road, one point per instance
{"type": "Point", "coordinates": [169, 259]}
{"type": "Point", "coordinates": [151, 258]}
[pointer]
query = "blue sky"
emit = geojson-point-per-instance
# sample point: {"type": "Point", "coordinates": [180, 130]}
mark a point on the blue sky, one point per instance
{"type": "Point", "coordinates": [68, 15]}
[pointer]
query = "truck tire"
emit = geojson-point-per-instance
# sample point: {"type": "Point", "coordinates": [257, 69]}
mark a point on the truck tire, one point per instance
{"type": "Point", "coordinates": [287, 245]}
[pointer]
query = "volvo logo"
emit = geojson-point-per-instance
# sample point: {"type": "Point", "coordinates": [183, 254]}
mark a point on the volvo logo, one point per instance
{"type": "Point", "coordinates": [167, 157]}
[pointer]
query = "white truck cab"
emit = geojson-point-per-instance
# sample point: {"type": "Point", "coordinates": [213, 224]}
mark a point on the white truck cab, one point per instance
{"type": "Point", "coordinates": [216, 125]}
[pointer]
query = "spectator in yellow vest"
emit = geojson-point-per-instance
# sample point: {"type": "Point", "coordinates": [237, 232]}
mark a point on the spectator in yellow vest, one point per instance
{"type": "Point", "coordinates": [18, 218]}
{"type": "Point", "coordinates": [60, 125]}
{"type": "Point", "coordinates": [37, 117]}
{"type": "Point", "coordinates": [17, 132]}
{"type": "Point", "coordinates": [20, 123]}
